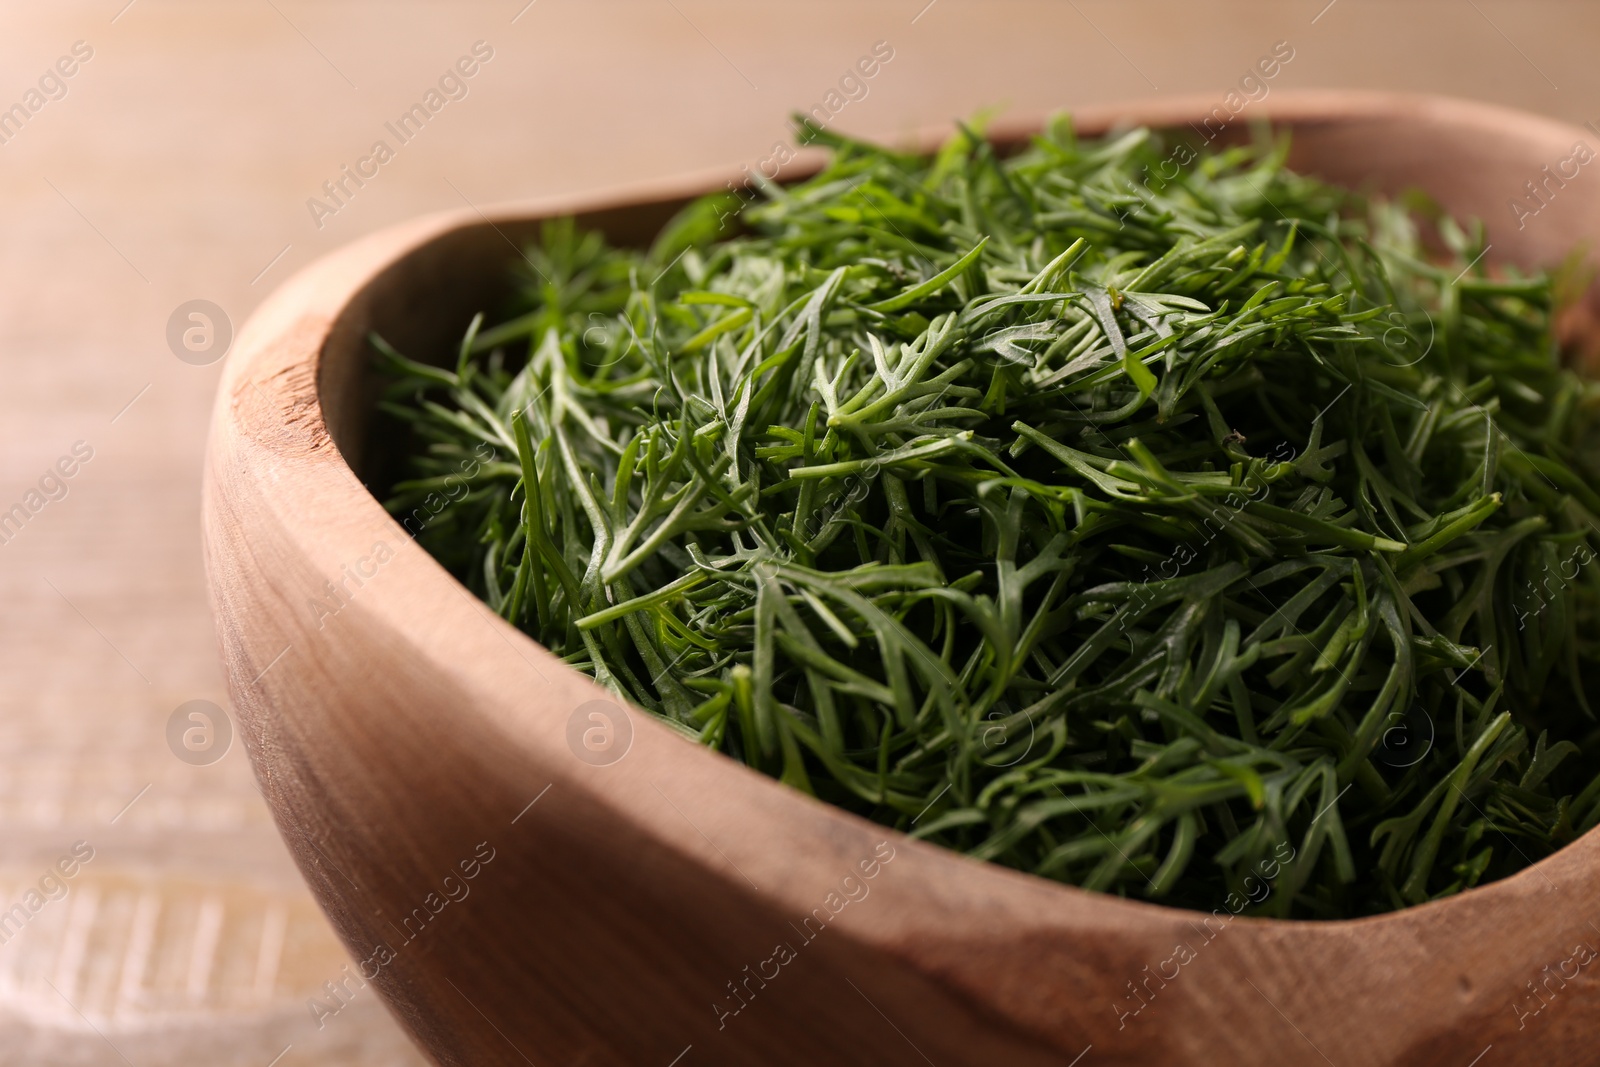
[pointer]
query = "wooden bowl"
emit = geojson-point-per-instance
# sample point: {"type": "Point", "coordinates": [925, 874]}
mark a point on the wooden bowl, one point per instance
{"type": "Point", "coordinates": [525, 884]}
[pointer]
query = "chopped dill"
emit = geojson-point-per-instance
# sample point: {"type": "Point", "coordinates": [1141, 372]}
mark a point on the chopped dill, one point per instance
{"type": "Point", "coordinates": [1117, 529]}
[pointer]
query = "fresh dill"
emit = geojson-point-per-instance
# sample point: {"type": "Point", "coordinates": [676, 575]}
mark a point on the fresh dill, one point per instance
{"type": "Point", "coordinates": [1117, 529]}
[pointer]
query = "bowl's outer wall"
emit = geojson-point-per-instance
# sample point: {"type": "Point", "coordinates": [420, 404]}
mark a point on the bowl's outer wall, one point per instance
{"type": "Point", "coordinates": [400, 731]}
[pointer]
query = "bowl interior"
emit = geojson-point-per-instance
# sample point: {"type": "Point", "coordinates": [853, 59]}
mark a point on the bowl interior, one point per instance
{"type": "Point", "coordinates": [422, 305]}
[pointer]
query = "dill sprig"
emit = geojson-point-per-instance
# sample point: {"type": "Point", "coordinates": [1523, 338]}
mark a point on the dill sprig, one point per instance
{"type": "Point", "coordinates": [1135, 532]}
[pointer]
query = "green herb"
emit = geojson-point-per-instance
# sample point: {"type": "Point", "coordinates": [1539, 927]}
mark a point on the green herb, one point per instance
{"type": "Point", "coordinates": [1157, 536]}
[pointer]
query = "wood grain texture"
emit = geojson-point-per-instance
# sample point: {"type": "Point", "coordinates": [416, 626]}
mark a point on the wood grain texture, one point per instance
{"type": "Point", "coordinates": [412, 730]}
{"type": "Point", "coordinates": [178, 166]}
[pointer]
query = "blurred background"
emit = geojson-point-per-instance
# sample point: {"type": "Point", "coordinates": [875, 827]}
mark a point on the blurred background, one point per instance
{"type": "Point", "coordinates": [155, 152]}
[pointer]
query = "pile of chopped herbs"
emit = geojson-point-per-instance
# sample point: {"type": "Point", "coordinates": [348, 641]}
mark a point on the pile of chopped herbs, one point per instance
{"type": "Point", "coordinates": [1135, 532]}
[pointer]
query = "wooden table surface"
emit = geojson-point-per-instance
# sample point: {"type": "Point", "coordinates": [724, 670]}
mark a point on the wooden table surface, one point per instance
{"type": "Point", "coordinates": [176, 163]}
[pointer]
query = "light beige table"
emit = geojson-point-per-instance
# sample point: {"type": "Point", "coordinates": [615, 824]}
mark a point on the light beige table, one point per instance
{"type": "Point", "coordinates": [178, 165]}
